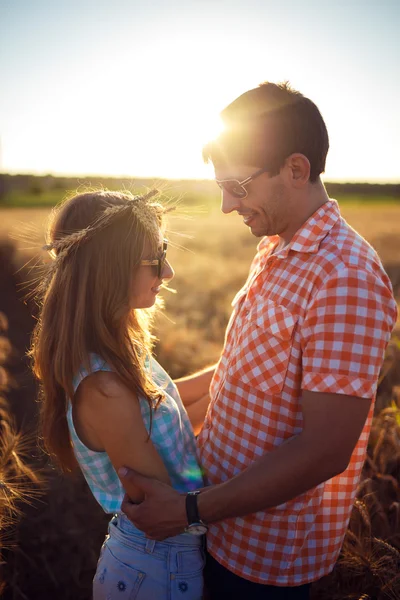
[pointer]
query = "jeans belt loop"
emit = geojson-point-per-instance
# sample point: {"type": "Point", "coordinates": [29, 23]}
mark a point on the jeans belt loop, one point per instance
{"type": "Point", "coordinates": [150, 546]}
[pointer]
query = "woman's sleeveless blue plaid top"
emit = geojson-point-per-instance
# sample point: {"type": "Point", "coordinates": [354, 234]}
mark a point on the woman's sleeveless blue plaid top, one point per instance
{"type": "Point", "coordinates": [171, 434]}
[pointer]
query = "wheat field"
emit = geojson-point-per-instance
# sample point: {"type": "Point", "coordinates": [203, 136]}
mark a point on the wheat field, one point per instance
{"type": "Point", "coordinates": [58, 537]}
{"type": "Point", "coordinates": [210, 253]}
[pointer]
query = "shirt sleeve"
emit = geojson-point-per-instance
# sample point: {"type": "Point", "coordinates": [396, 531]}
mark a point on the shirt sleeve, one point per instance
{"type": "Point", "coordinates": [345, 333]}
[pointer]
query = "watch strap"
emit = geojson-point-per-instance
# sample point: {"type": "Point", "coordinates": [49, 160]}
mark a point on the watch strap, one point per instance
{"type": "Point", "coordinates": [192, 511]}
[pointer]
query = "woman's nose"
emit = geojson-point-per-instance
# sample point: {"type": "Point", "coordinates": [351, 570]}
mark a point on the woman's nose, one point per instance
{"type": "Point", "coordinates": [167, 272]}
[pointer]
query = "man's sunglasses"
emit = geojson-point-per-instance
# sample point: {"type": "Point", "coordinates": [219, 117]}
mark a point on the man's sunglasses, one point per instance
{"type": "Point", "coordinates": [236, 188]}
{"type": "Point", "coordinates": [159, 262]}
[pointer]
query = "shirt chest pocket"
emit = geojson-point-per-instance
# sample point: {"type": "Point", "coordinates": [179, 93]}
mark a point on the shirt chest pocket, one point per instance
{"type": "Point", "coordinates": [263, 345]}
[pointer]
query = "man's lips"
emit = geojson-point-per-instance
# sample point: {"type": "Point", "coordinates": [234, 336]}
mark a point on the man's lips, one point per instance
{"type": "Point", "coordinates": [247, 217]}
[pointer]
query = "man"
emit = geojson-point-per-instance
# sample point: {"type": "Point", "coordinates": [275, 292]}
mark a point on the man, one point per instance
{"type": "Point", "coordinates": [285, 436]}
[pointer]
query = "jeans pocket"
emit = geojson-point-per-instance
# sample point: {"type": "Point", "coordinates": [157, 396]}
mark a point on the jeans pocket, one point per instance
{"type": "Point", "coordinates": [115, 579]}
{"type": "Point", "coordinates": [187, 586]}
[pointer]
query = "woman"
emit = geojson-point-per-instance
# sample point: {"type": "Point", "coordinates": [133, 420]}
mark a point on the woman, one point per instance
{"type": "Point", "coordinates": [105, 401]}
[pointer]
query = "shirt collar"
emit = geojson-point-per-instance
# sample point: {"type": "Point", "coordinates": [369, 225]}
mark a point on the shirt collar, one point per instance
{"type": "Point", "coordinates": [309, 237]}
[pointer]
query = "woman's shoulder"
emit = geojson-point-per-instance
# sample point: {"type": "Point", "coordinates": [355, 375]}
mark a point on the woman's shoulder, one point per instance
{"type": "Point", "coordinates": [105, 383]}
{"type": "Point", "coordinates": [96, 370]}
{"type": "Point", "coordinates": [103, 390]}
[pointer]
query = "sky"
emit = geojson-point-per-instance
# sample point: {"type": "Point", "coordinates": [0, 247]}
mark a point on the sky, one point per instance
{"type": "Point", "coordinates": [134, 88]}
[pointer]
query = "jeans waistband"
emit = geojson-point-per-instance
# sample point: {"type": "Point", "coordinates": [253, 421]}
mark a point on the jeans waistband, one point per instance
{"type": "Point", "coordinates": [122, 528]}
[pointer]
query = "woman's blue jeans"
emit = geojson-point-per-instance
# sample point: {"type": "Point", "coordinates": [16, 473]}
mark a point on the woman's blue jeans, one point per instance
{"type": "Point", "coordinates": [132, 567]}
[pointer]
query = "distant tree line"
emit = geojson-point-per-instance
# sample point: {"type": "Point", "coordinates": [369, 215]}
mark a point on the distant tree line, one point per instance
{"type": "Point", "coordinates": [39, 184]}
{"type": "Point", "coordinates": [363, 189]}
{"type": "Point", "coordinates": [36, 185]}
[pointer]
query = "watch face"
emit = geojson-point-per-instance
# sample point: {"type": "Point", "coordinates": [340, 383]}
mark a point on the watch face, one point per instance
{"type": "Point", "coordinates": [196, 529]}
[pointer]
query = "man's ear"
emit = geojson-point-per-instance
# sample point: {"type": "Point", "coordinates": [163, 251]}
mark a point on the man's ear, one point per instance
{"type": "Point", "coordinates": [298, 170]}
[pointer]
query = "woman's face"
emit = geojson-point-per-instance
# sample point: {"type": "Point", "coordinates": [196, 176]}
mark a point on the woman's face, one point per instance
{"type": "Point", "coordinates": [146, 283]}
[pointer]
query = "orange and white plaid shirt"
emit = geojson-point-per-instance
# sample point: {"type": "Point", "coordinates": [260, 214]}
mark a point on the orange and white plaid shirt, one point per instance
{"type": "Point", "coordinates": [315, 316]}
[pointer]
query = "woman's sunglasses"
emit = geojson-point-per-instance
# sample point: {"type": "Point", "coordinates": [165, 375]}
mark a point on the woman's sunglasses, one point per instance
{"type": "Point", "coordinates": [159, 262]}
{"type": "Point", "coordinates": [236, 188]}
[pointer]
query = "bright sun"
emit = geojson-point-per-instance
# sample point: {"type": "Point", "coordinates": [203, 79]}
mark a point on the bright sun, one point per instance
{"type": "Point", "coordinates": [148, 143]}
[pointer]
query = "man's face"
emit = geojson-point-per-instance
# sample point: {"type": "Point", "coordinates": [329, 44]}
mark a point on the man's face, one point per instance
{"type": "Point", "coordinates": [266, 209]}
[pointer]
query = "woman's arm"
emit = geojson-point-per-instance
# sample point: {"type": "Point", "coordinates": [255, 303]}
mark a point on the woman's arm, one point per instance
{"type": "Point", "coordinates": [109, 415]}
{"type": "Point", "coordinates": [194, 387]}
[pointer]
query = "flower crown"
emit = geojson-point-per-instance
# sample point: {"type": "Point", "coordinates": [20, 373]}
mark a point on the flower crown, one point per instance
{"type": "Point", "coordinates": [146, 213]}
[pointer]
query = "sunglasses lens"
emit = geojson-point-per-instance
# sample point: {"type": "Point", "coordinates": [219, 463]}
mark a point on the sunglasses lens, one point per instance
{"type": "Point", "coordinates": [237, 191]}
{"type": "Point", "coordinates": [233, 188]}
{"type": "Point", "coordinates": [161, 264]}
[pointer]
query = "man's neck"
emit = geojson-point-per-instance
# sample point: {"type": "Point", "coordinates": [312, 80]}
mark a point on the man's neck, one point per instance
{"type": "Point", "coordinates": [315, 197]}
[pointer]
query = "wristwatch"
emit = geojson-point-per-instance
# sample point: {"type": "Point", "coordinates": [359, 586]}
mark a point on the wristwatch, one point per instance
{"type": "Point", "coordinates": [195, 525]}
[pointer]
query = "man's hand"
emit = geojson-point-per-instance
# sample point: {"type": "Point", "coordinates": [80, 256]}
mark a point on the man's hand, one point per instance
{"type": "Point", "coordinates": [161, 514]}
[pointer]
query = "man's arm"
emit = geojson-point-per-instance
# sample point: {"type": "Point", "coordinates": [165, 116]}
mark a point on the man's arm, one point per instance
{"type": "Point", "coordinates": [197, 411]}
{"type": "Point", "coordinates": [194, 387]}
{"type": "Point", "coordinates": [332, 426]}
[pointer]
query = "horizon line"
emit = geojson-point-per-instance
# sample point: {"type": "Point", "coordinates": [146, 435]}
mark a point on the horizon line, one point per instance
{"type": "Point", "coordinates": [376, 181]}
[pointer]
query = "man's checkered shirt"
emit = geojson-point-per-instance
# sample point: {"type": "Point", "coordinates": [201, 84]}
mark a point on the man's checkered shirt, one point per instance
{"type": "Point", "coordinates": [314, 316]}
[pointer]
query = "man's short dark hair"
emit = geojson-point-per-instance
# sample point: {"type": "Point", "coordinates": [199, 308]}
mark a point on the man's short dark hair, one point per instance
{"type": "Point", "coordinates": [266, 125]}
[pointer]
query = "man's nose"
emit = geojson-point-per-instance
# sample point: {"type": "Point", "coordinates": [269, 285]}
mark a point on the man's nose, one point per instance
{"type": "Point", "coordinates": [229, 202]}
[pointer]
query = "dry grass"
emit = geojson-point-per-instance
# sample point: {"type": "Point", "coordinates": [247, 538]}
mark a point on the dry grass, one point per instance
{"type": "Point", "coordinates": [19, 483]}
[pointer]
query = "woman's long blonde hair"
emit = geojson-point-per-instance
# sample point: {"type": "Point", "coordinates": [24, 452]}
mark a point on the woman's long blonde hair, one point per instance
{"type": "Point", "coordinates": [97, 241]}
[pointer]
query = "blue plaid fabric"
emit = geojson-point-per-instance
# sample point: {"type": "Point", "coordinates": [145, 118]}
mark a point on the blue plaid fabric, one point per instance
{"type": "Point", "coordinates": [171, 433]}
